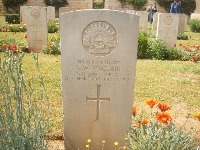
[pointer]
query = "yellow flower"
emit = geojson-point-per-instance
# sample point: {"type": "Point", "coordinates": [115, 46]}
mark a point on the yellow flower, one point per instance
{"type": "Point", "coordinates": [151, 102]}
{"type": "Point", "coordinates": [103, 141]}
{"type": "Point", "coordinates": [89, 140]}
{"type": "Point", "coordinates": [116, 143]}
{"type": "Point", "coordinates": [87, 146]}
{"type": "Point", "coordinates": [197, 115]}
{"type": "Point", "coordinates": [124, 147]}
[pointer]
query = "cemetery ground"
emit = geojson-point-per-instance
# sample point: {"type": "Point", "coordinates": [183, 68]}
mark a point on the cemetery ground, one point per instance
{"type": "Point", "coordinates": [174, 82]}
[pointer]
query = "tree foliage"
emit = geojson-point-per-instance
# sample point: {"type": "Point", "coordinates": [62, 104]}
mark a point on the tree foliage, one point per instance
{"type": "Point", "coordinates": [187, 6]}
{"type": "Point", "coordinates": [56, 3]}
{"type": "Point", "coordinates": [14, 4]}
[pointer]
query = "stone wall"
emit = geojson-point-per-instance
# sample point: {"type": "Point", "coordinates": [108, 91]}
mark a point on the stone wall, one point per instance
{"type": "Point", "coordinates": [197, 6]}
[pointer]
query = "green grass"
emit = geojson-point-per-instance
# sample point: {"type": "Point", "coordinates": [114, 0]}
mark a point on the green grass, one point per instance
{"type": "Point", "coordinates": [172, 81]}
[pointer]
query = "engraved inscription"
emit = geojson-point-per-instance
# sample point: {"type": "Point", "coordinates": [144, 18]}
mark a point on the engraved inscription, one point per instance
{"type": "Point", "coordinates": [99, 38]}
{"type": "Point", "coordinates": [98, 99]}
{"type": "Point", "coordinates": [35, 13]}
{"type": "Point", "coordinates": [168, 20]}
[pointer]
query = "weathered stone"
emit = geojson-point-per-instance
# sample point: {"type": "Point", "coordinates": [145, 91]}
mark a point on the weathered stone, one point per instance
{"type": "Point", "coordinates": [155, 20]}
{"type": "Point", "coordinates": [98, 74]}
{"type": "Point", "coordinates": [143, 21]}
{"type": "Point", "coordinates": [182, 23]}
{"type": "Point", "coordinates": [168, 28]}
{"type": "Point", "coordinates": [36, 23]}
{"type": "Point", "coordinates": [50, 13]}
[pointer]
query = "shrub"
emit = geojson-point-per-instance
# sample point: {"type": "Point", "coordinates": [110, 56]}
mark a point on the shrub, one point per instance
{"type": "Point", "coordinates": [14, 4]}
{"type": "Point", "coordinates": [187, 6]}
{"type": "Point", "coordinates": [182, 37]}
{"type": "Point", "coordinates": [195, 25]}
{"type": "Point", "coordinates": [16, 28]}
{"type": "Point", "coordinates": [98, 5]}
{"type": "Point", "coordinates": [156, 131]}
{"type": "Point", "coordinates": [56, 3]}
{"type": "Point", "coordinates": [53, 46]}
{"type": "Point", "coordinates": [12, 18]}
{"type": "Point", "coordinates": [22, 116]}
{"type": "Point", "coordinates": [143, 45]}
{"type": "Point", "coordinates": [52, 27]}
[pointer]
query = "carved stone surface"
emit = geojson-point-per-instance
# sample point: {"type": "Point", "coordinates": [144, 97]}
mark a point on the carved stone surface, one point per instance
{"type": "Point", "coordinates": [98, 57]}
{"type": "Point", "coordinates": [143, 21]}
{"type": "Point", "coordinates": [168, 28]}
{"type": "Point", "coordinates": [99, 38]}
{"type": "Point", "coordinates": [36, 23]}
{"type": "Point", "coordinates": [182, 23]}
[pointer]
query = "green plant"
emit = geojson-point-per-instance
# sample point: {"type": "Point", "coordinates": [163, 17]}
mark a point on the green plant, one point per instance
{"type": "Point", "coordinates": [187, 6]}
{"type": "Point", "coordinates": [142, 45]}
{"type": "Point", "coordinates": [98, 5]}
{"type": "Point", "coordinates": [195, 25]}
{"type": "Point", "coordinates": [56, 3]}
{"type": "Point", "coordinates": [52, 27]}
{"type": "Point", "coordinates": [14, 4]}
{"type": "Point", "coordinates": [12, 18]}
{"type": "Point", "coordinates": [22, 116]}
{"type": "Point", "coordinates": [137, 4]}
{"type": "Point", "coordinates": [53, 46]}
{"type": "Point", "coordinates": [159, 133]}
{"type": "Point", "coordinates": [182, 36]}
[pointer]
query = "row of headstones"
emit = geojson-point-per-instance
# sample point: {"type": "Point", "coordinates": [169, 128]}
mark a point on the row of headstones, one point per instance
{"type": "Point", "coordinates": [168, 25]}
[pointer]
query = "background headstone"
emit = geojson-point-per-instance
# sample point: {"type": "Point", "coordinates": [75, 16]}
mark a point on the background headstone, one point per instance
{"type": "Point", "coordinates": [182, 23]}
{"type": "Point", "coordinates": [168, 28]}
{"type": "Point", "coordinates": [98, 73]}
{"type": "Point", "coordinates": [50, 13]}
{"type": "Point", "coordinates": [131, 11]}
{"type": "Point", "coordinates": [65, 9]}
{"type": "Point", "coordinates": [143, 19]}
{"type": "Point", "coordinates": [155, 20]}
{"type": "Point", "coordinates": [36, 24]}
{"type": "Point", "coordinates": [23, 14]}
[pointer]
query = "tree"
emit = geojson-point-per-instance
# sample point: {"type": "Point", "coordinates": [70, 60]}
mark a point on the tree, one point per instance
{"type": "Point", "coordinates": [13, 4]}
{"type": "Point", "coordinates": [56, 3]}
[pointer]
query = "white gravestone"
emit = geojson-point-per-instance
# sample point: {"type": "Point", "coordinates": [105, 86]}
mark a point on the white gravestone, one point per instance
{"type": "Point", "coordinates": [50, 13]}
{"type": "Point", "coordinates": [65, 9]}
{"type": "Point", "coordinates": [168, 28]}
{"type": "Point", "coordinates": [182, 23]}
{"type": "Point", "coordinates": [131, 11]}
{"type": "Point", "coordinates": [155, 20]}
{"type": "Point", "coordinates": [23, 14]}
{"type": "Point", "coordinates": [98, 74]}
{"type": "Point", "coordinates": [143, 21]}
{"type": "Point", "coordinates": [36, 24]}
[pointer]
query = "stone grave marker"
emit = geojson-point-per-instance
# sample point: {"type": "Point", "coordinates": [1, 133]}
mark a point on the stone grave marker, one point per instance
{"type": "Point", "coordinates": [65, 9]}
{"type": "Point", "coordinates": [168, 28]}
{"type": "Point", "coordinates": [182, 23]}
{"type": "Point", "coordinates": [131, 11]}
{"type": "Point", "coordinates": [143, 21]}
{"type": "Point", "coordinates": [36, 24]}
{"type": "Point", "coordinates": [23, 14]}
{"type": "Point", "coordinates": [50, 13]}
{"type": "Point", "coordinates": [98, 57]}
{"type": "Point", "coordinates": [155, 20]}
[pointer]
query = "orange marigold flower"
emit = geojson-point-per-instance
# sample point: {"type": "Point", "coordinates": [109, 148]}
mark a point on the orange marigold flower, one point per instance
{"type": "Point", "coordinates": [151, 102]}
{"type": "Point", "coordinates": [144, 122]}
{"type": "Point", "coordinates": [163, 107]}
{"type": "Point", "coordinates": [197, 115]}
{"type": "Point", "coordinates": [164, 117]}
{"type": "Point", "coordinates": [134, 111]}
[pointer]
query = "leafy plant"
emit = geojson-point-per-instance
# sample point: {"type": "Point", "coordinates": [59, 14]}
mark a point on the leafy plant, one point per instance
{"type": "Point", "coordinates": [98, 5]}
{"type": "Point", "coordinates": [52, 27]}
{"type": "Point", "coordinates": [195, 25]}
{"type": "Point", "coordinates": [53, 46]}
{"type": "Point", "coordinates": [12, 19]}
{"type": "Point", "coordinates": [143, 45]}
{"type": "Point", "coordinates": [56, 3]}
{"type": "Point", "coordinates": [22, 120]}
{"type": "Point", "coordinates": [187, 6]}
{"type": "Point", "coordinates": [13, 4]}
{"type": "Point", "coordinates": [160, 133]}
{"type": "Point", "coordinates": [182, 36]}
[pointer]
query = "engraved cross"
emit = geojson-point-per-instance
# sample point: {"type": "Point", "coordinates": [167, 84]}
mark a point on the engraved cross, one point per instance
{"type": "Point", "coordinates": [98, 99]}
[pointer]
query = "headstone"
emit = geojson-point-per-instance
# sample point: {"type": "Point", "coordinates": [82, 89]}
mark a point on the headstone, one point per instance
{"type": "Point", "coordinates": [195, 16]}
{"type": "Point", "coordinates": [50, 13]}
{"type": "Point", "coordinates": [23, 14]}
{"type": "Point", "coordinates": [143, 21]}
{"type": "Point", "coordinates": [197, 7]}
{"type": "Point", "coordinates": [98, 75]}
{"type": "Point", "coordinates": [168, 28]}
{"type": "Point", "coordinates": [36, 24]}
{"type": "Point", "coordinates": [131, 11]}
{"type": "Point", "coordinates": [155, 20]}
{"type": "Point", "coordinates": [182, 23]}
{"type": "Point", "coordinates": [64, 10]}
